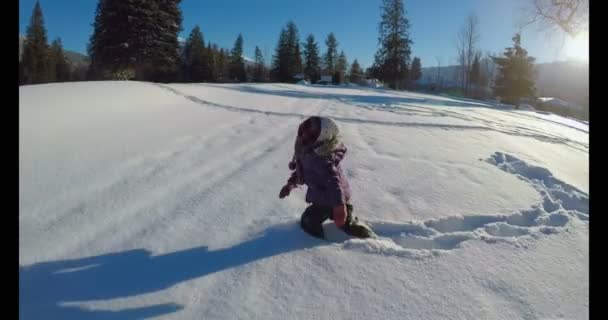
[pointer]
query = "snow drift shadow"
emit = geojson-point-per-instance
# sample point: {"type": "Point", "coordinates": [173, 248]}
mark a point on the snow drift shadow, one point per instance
{"type": "Point", "coordinates": [44, 287]}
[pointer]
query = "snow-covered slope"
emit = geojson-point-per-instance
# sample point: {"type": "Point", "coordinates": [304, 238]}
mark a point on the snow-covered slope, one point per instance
{"type": "Point", "coordinates": [140, 200]}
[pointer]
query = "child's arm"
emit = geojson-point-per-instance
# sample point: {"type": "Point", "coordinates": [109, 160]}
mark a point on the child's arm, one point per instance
{"type": "Point", "coordinates": [292, 183]}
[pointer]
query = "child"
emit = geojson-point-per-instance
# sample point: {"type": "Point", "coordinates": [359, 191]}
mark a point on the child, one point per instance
{"type": "Point", "coordinates": [316, 161]}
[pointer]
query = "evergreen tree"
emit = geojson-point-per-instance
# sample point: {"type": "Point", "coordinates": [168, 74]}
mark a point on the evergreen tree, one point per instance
{"type": "Point", "coordinates": [280, 70]}
{"type": "Point", "coordinates": [393, 56]}
{"type": "Point", "coordinates": [222, 66]}
{"type": "Point", "coordinates": [136, 39]}
{"type": "Point", "coordinates": [312, 61]}
{"type": "Point", "coordinates": [355, 72]}
{"type": "Point", "coordinates": [287, 61]}
{"type": "Point", "coordinates": [108, 46]}
{"type": "Point", "coordinates": [331, 56]}
{"type": "Point", "coordinates": [211, 61]}
{"type": "Point", "coordinates": [58, 63]}
{"type": "Point", "coordinates": [79, 72]}
{"type": "Point", "coordinates": [216, 63]}
{"type": "Point", "coordinates": [341, 67]}
{"type": "Point", "coordinates": [164, 55]}
{"type": "Point", "coordinates": [195, 63]}
{"type": "Point", "coordinates": [237, 63]}
{"type": "Point", "coordinates": [374, 71]}
{"type": "Point", "coordinates": [416, 71]}
{"type": "Point", "coordinates": [294, 45]}
{"type": "Point", "coordinates": [337, 78]}
{"type": "Point", "coordinates": [515, 73]}
{"type": "Point", "coordinates": [259, 69]}
{"type": "Point", "coordinates": [35, 59]}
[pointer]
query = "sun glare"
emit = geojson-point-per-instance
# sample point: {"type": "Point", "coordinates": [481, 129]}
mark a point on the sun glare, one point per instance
{"type": "Point", "coordinates": [578, 47]}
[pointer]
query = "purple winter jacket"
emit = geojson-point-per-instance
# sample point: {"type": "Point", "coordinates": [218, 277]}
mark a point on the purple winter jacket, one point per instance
{"type": "Point", "coordinates": [327, 184]}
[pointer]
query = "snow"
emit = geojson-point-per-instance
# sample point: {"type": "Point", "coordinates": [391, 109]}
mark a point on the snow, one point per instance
{"type": "Point", "coordinates": [527, 107]}
{"type": "Point", "coordinates": [373, 83]}
{"type": "Point", "coordinates": [557, 103]}
{"type": "Point", "coordinates": [141, 200]}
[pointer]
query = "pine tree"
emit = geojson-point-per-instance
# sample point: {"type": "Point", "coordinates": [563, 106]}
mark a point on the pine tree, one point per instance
{"type": "Point", "coordinates": [237, 63]}
{"type": "Point", "coordinates": [259, 69]}
{"type": "Point", "coordinates": [355, 72]}
{"type": "Point", "coordinates": [341, 67]}
{"type": "Point", "coordinates": [287, 61]}
{"type": "Point", "coordinates": [58, 66]}
{"type": "Point", "coordinates": [164, 49]}
{"type": "Point", "coordinates": [312, 61]}
{"type": "Point", "coordinates": [393, 56]}
{"type": "Point", "coordinates": [211, 61]}
{"type": "Point", "coordinates": [280, 70]}
{"type": "Point", "coordinates": [52, 66]}
{"type": "Point", "coordinates": [331, 56]}
{"type": "Point", "coordinates": [112, 47]}
{"type": "Point", "coordinates": [215, 52]}
{"type": "Point", "coordinates": [35, 59]}
{"type": "Point", "coordinates": [136, 39]}
{"type": "Point", "coordinates": [195, 59]}
{"type": "Point", "coordinates": [416, 70]}
{"type": "Point", "coordinates": [222, 66]}
{"type": "Point", "coordinates": [515, 73]}
{"type": "Point", "coordinates": [296, 54]}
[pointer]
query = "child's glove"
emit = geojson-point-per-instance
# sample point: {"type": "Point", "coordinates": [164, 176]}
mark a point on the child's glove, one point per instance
{"type": "Point", "coordinates": [339, 215]}
{"type": "Point", "coordinates": [285, 191]}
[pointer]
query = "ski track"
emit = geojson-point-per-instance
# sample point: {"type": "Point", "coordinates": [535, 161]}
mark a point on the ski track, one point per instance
{"type": "Point", "coordinates": [562, 203]}
{"type": "Point", "coordinates": [497, 126]}
{"type": "Point", "coordinates": [489, 125]}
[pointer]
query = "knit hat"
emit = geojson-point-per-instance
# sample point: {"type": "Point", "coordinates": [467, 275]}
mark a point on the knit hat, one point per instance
{"type": "Point", "coordinates": [326, 142]}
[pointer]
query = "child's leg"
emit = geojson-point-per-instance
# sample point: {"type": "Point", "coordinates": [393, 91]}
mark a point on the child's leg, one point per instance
{"type": "Point", "coordinates": [312, 220]}
{"type": "Point", "coordinates": [353, 227]}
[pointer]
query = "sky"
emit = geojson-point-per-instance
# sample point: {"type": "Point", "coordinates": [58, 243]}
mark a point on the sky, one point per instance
{"type": "Point", "coordinates": [433, 25]}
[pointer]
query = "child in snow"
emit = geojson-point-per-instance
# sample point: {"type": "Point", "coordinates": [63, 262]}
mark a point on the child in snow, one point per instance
{"type": "Point", "coordinates": [316, 163]}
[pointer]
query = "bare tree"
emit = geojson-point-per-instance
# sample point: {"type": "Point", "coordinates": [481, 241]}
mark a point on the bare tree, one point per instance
{"type": "Point", "coordinates": [569, 16]}
{"type": "Point", "coordinates": [466, 43]}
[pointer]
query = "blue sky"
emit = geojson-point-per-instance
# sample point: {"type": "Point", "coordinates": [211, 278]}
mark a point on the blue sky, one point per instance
{"type": "Point", "coordinates": [434, 25]}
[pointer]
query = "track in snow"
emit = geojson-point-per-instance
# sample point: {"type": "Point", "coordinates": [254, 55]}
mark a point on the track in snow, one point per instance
{"type": "Point", "coordinates": [561, 204]}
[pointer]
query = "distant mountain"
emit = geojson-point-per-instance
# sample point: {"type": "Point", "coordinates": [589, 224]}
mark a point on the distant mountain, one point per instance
{"type": "Point", "coordinates": [248, 62]}
{"type": "Point", "coordinates": [77, 58]}
{"type": "Point", "coordinates": [566, 80]}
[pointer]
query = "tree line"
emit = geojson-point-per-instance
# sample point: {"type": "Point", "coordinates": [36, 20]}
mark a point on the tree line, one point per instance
{"type": "Point", "coordinates": [41, 62]}
{"type": "Point", "coordinates": [138, 39]}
